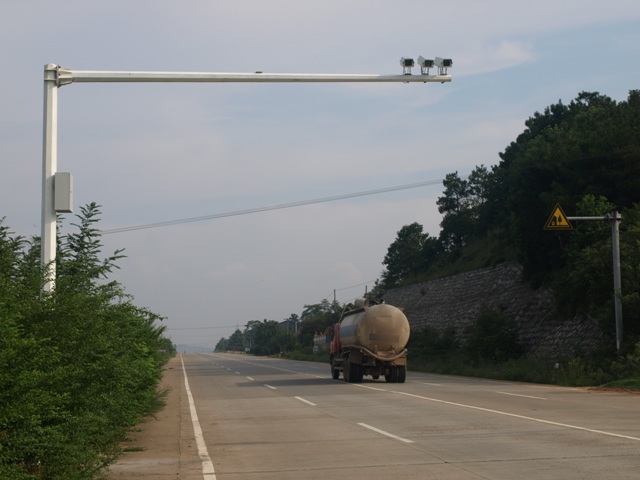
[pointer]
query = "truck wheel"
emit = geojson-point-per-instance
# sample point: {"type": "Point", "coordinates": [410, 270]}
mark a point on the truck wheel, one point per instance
{"type": "Point", "coordinates": [346, 369]}
{"type": "Point", "coordinates": [335, 373]}
{"type": "Point", "coordinates": [392, 376]}
{"type": "Point", "coordinates": [358, 374]}
{"type": "Point", "coordinates": [402, 373]}
{"type": "Point", "coordinates": [352, 372]}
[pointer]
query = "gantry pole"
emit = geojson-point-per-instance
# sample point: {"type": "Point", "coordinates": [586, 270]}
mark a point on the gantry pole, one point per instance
{"type": "Point", "coordinates": [56, 76]}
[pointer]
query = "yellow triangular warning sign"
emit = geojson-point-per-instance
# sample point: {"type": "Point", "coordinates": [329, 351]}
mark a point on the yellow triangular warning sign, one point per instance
{"type": "Point", "coordinates": [558, 220]}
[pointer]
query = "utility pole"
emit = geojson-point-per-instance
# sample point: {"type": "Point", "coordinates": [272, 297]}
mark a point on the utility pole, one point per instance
{"type": "Point", "coordinates": [56, 76]}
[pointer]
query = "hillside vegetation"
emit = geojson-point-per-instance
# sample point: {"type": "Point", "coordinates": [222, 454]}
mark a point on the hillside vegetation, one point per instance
{"type": "Point", "coordinates": [78, 367]}
{"type": "Point", "coordinates": [584, 156]}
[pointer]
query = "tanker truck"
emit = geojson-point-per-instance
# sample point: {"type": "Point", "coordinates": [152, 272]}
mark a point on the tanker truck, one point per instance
{"type": "Point", "coordinates": [370, 340]}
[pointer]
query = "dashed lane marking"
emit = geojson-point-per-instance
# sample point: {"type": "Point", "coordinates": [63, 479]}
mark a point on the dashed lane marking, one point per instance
{"type": "Point", "coordinates": [386, 434]}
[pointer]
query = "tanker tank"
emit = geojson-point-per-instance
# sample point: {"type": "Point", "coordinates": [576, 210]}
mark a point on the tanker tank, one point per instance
{"type": "Point", "coordinates": [379, 328]}
{"type": "Point", "coordinates": [370, 340]}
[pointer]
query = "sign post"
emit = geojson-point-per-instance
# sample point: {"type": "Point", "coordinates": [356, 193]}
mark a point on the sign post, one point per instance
{"type": "Point", "coordinates": [559, 221]}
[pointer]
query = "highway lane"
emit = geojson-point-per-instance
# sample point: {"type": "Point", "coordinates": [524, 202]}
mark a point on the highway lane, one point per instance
{"type": "Point", "coordinates": [270, 418]}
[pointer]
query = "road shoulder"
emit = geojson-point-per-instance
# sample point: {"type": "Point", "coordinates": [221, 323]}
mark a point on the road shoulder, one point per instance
{"type": "Point", "coordinates": [163, 446]}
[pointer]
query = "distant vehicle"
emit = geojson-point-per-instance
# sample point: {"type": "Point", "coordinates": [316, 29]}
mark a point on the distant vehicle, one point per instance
{"type": "Point", "coordinates": [370, 340]}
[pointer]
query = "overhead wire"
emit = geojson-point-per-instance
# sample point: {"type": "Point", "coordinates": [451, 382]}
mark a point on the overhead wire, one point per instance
{"type": "Point", "coordinates": [270, 207]}
{"type": "Point", "coordinates": [265, 209]}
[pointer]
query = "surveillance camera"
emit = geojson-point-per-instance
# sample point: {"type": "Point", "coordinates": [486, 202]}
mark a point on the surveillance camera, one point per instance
{"type": "Point", "coordinates": [443, 62]}
{"type": "Point", "coordinates": [425, 63]}
{"type": "Point", "coordinates": [406, 62]}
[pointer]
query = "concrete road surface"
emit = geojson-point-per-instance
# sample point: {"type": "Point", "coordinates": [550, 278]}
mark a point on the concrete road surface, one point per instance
{"type": "Point", "coordinates": [232, 417]}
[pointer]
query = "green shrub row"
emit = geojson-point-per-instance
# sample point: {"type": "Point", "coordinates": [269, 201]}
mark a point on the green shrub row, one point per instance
{"type": "Point", "coordinates": [79, 366]}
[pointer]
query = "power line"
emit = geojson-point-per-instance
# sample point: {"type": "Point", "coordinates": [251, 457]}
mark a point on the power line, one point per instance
{"type": "Point", "coordinates": [270, 208]}
{"type": "Point", "coordinates": [354, 286]}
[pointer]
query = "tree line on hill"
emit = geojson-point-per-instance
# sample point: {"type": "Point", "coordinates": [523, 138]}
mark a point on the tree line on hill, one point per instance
{"type": "Point", "coordinates": [584, 156]}
{"type": "Point", "coordinates": [79, 367]}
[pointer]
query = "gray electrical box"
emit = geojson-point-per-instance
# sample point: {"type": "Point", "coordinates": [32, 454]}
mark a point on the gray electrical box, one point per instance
{"type": "Point", "coordinates": [63, 188]}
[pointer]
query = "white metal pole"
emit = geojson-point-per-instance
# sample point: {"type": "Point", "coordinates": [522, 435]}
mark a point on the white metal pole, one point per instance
{"type": "Point", "coordinates": [56, 76]}
{"type": "Point", "coordinates": [66, 76]}
{"type": "Point", "coordinates": [49, 167]}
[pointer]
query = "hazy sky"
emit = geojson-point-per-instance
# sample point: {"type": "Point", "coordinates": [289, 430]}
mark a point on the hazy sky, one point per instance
{"type": "Point", "coordinates": [159, 152]}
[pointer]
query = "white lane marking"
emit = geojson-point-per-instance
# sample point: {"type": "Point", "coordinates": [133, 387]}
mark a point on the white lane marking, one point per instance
{"type": "Point", "coordinates": [305, 401]}
{"type": "Point", "coordinates": [237, 373]}
{"type": "Point", "coordinates": [250, 379]}
{"type": "Point", "coordinates": [207, 465]}
{"type": "Point", "coordinates": [387, 434]}
{"type": "Point", "coordinates": [523, 417]}
{"type": "Point", "coordinates": [427, 383]}
{"type": "Point", "coordinates": [369, 388]}
{"type": "Point", "coordinates": [269, 386]}
{"type": "Point", "coordinates": [519, 395]}
{"type": "Point", "coordinates": [261, 365]}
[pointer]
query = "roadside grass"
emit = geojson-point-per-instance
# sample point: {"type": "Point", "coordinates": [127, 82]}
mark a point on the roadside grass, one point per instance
{"type": "Point", "coordinates": [575, 372]}
{"type": "Point", "coordinates": [626, 384]}
{"type": "Point", "coordinates": [514, 370]}
{"type": "Point", "coordinates": [321, 357]}
{"type": "Point", "coordinates": [133, 449]}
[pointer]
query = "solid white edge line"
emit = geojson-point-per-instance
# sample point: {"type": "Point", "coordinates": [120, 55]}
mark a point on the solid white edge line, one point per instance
{"type": "Point", "coordinates": [523, 417]}
{"type": "Point", "coordinates": [208, 471]}
{"type": "Point", "coordinates": [305, 401]}
{"type": "Point", "coordinates": [386, 434]}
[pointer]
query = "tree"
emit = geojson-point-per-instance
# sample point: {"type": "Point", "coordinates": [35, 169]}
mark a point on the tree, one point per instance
{"type": "Point", "coordinates": [236, 341]}
{"type": "Point", "coordinates": [585, 285]}
{"type": "Point", "coordinates": [409, 255]}
{"type": "Point", "coordinates": [267, 338]}
{"type": "Point", "coordinates": [317, 318]}
{"type": "Point", "coordinates": [630, 266]}
{"type": "Point", "coordinates": [590, 146]}
{"type": "Point", "coordinates": [222, 345]}
{"type": "Point", "coordinates": [461, 207]}
{"type": "Point", "coordinates": [78, 258]}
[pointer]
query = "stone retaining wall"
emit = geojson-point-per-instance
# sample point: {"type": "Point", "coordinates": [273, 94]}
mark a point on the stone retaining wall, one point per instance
{"type": "Point", "coordinates": [457, 300]}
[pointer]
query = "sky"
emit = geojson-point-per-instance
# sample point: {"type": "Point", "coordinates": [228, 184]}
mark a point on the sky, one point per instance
{"type": "Point", "coordinates": [149, 153]}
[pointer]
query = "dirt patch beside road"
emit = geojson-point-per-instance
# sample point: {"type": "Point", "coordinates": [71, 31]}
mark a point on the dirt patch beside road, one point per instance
{"type": "Point", "coordinates": [163, 446]}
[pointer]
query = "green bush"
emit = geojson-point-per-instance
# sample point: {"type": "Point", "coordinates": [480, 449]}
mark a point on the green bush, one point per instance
{"type": "Point", "coordinates": [79, 367]}
{"type": "Point", "coordinates": [428, 343]}
{"type": "Point", "coordinates": [492, 338]}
